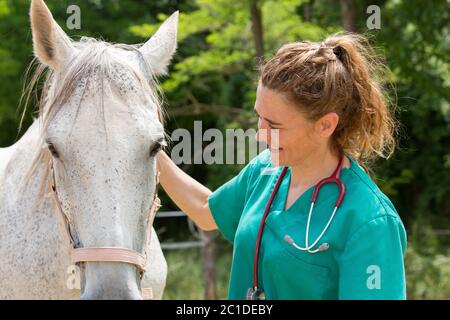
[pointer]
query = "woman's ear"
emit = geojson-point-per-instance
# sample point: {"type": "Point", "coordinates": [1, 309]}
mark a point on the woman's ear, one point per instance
{"type": "Point", "coordinates": [51, 44]}
{"type": "Point", "coordinates": [327, 124]}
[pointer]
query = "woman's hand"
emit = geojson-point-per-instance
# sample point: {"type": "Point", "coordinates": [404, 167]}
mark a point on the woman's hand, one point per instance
{"type": "Point", "coordinates": [188, 194]}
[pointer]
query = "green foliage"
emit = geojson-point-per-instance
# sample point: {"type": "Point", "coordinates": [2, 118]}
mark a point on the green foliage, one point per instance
{"type": "Point", "coordinates": [4, 8]}
{"type": "Point", "coordinates": [417, 52]}
{"type": "Point", "coordinates": [427, 264]}
{"type": "Point", "coordinates": [390, 187]}
{"type": "Point", "coordinates": [428, 276]}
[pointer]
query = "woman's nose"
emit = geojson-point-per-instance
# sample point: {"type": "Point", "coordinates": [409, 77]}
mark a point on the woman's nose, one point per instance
{"type": "Point", "coordinates": [263, 134]}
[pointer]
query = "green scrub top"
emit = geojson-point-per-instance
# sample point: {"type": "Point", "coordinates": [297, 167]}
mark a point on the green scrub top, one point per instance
{"type": "Point", "coordinates": [367, 237]}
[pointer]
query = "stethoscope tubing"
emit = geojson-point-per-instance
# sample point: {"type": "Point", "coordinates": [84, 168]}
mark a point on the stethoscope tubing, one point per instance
{"type": "Point", "coordinates": [261, 226]}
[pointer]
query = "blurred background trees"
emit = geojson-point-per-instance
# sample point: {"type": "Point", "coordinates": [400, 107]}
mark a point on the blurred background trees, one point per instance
{"type": "Point", "coordinates": [213, 79]}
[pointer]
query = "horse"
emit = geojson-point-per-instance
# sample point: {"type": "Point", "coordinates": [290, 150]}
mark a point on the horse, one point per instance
{"type": "Point", "coordinates": [84, 173]}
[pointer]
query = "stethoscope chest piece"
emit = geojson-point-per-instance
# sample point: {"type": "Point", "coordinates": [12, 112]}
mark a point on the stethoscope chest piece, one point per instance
{"type": "Point", "coordinates": [255, 294]}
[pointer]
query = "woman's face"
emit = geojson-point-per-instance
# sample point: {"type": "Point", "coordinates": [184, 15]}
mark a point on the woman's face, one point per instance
{"type": "Point", "coordinates": [289, 135]}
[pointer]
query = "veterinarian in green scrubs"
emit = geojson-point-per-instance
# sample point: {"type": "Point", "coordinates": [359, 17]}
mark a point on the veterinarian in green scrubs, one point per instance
{"type": "Point", "coordinates": [367, 238]}
{"type": "Point", "coordinates": [323, 116]}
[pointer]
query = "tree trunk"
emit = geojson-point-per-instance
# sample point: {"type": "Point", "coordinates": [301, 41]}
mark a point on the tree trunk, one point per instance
{"type": "Point", "coordinates": [209, 271]}
{"type": "Point", "coordinates": [307, 7]}
{"type": "Point", "coordinates": [257, 28]}
{"type": "Point", "coordinates": [348, 15]}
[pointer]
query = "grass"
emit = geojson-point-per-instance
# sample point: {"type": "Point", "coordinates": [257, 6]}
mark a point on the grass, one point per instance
{"type": "Point", "coordinates": [185, 274]}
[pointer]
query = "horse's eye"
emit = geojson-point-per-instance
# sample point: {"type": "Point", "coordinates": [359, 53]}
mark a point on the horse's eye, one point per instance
{"type": "Point", "coordinates": [155, 149]}
{"type": "Point", "coordinates": [52, 149]}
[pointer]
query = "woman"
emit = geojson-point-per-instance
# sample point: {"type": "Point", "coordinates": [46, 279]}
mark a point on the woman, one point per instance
{"type": "Point", "coordinates": [324, 101]}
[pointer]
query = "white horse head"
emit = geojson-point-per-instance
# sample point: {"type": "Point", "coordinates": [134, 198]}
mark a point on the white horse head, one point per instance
{"type": "Point", "coordinates": [101, 124]}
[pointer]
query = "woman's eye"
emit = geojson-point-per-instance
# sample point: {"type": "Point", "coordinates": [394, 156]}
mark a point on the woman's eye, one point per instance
{"type": "Point", "coordinates": [155, 149]}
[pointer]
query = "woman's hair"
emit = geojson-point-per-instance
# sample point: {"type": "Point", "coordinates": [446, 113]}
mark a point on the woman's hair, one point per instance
{"type": "Point", "coordinates": [342, 75]}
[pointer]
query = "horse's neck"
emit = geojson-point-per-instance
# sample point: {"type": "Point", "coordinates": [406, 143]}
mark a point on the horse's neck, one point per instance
{"type": "Point", "coordinates": [16, 159]}
{"type": "Point", "coordinates": [25, 202]}
{"type": "Point", "coordinates": [5, 156]}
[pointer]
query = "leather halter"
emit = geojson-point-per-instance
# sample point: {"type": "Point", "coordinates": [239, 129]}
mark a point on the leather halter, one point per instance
{"type": "Point", "coordinates": [108, 254]}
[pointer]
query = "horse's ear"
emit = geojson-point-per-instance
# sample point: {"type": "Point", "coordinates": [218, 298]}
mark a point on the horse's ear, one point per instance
{"type": "Point", "coordinates": [159, 50]}
{"type": "Point", "coordinates": [51, 44]}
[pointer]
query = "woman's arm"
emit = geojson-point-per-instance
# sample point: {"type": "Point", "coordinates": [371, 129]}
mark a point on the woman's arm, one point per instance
{"type": "Point", "coordinates": [188, 194]}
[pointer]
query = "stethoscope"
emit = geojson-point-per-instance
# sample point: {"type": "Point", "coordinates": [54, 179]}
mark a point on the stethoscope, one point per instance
{"type": "Point", "coordinates": [257, 293]}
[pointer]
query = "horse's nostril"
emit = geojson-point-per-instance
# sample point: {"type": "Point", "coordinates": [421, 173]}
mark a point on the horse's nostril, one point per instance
{"type": "Point", "coordinates": [111, 281]}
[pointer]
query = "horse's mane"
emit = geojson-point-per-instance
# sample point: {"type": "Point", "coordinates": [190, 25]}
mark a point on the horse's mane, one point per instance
{"type": "Point", "coordinates": [93, 65]}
